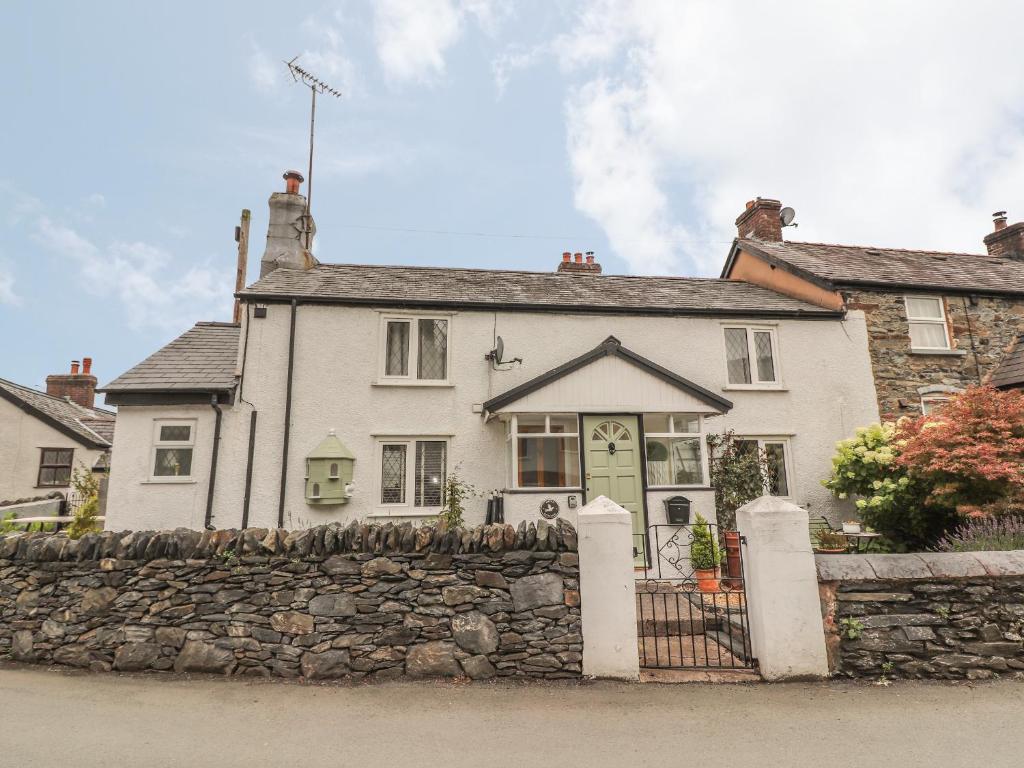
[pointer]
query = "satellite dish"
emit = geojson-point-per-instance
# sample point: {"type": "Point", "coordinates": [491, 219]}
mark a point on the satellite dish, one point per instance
{"type": "Point", "coordinates": [786, 215]}
{"type": "Point", "coordinates": [499, 350]}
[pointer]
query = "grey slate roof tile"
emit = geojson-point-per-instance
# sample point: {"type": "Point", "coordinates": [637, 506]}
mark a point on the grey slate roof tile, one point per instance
{"type": "Point", "coordinates": [93, 426]}
{"type": "Point", "coordinates": [203, 358]}
{"type": "Point", "coordinates": [1010, 372]}
{"type": "Point", "coordinates": [851, 265]}
{"type": "Point", "coordinates": [446, 286]}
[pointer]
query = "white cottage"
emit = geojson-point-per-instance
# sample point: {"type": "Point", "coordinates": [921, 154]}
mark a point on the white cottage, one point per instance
{"type": "Point", "coordinates": [542, 389]}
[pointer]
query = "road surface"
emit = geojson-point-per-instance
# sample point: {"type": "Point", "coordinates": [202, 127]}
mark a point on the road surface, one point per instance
{"type": "Point", "coordinates": [56, 718]}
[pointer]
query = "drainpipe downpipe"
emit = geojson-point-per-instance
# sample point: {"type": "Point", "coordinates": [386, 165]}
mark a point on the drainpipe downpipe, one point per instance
{"type": "Point", "coordinates": [248, 470]}
{"type": "Point", "coordinates": [287, 417]}
{"type": "Point", "coordinates": [208, 522]}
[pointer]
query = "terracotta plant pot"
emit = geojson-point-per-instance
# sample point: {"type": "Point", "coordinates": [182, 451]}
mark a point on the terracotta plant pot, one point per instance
{"type": "Point", "coordinates": [733, 562]}
{"type": "Point", "coordinates": [830, 551]}
{"type": "Point", "coordinates": [707, 580]}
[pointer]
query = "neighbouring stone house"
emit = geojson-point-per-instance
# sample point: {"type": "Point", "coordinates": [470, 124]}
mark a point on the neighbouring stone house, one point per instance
{"type": "Point", "coordinates": [45, 436]}
{"type": "Point", "coordinates": [937, 322]}
{"type": "Point", "coordinates": [353, 391]}
{"type": "Point", "coordinates": [1010, 373]}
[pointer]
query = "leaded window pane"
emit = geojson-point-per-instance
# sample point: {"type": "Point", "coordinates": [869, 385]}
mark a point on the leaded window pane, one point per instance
{"type": "Point", "coordinates": [737, 355]}
{"type": "Point", "coordinates": [433, 350]}
{"type": "Point", "coordinates": [778, 481]}
{"type": "Point", "coordinates": [173, 462]}
{"type": "Point", "coordinates": [392, 482]}
{"type": "Point", "coordinates": [397, 352]}
{"type": "Point", "coordinates": [763, 351]}
{"type": "Point", "coordinates": [430, 470]}
{"type": "Point", "coordinates": [175, 433]}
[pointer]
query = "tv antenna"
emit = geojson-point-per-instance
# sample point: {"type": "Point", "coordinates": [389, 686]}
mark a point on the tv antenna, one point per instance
{"type": "Point", "coordinates": [316, 85]}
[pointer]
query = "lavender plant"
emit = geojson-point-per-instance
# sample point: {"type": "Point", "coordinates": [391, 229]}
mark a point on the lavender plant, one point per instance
{"type": "Point", "coordinates": [979, 534]}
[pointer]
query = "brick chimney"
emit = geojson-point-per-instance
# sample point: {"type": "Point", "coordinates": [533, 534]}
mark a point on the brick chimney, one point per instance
{"type": "Point", "coordinates": [574, 264]}
{"type": "Point", "coordinates": [1003, 240]}
{"type": "Point", "coordinates": [286, 233]}
{"type": "Point", "coordinates": [78, 387]}
{"type": "Point", "coordinates": [761, 220]}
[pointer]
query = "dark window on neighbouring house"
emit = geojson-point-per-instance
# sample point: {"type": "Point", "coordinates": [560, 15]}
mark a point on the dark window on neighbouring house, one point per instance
{"type": "Point", "coordinates": [55, 467]}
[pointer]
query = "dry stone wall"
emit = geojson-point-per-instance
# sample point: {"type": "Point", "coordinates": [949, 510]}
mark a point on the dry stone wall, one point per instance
{"type": "Point", "coordinates": [329, 602]}
{"type": "Point", "coordinates": [930, 615]}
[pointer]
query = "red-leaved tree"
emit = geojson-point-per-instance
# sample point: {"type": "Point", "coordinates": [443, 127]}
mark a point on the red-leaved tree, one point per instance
{"type": "Point", "coordinates": [969, 452]}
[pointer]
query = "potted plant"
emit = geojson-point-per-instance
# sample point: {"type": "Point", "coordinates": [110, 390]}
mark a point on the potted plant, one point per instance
{"type": "Point", "coordinates": [832, 543]}
{"type": "Point", "coordinates": [705, 555]}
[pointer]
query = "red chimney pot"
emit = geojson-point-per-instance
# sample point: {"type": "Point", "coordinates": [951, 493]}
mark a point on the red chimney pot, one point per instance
{"type": "Point", "coordinates": [566, 256]}
{"type": "Point", "coordinates": [86, 365]}
{"type": "Point", "coordinates": [292, 181]}
{"type": "Point", "coordinates": [578, 258]}
{"type": "Point", "coordinates": [999, 219]}
{"type": "Point", "coordinates": [74, 367]}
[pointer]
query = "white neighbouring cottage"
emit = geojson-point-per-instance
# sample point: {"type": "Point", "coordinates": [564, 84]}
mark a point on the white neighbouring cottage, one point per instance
{"type": "Point", "coordinates": [620, 381]}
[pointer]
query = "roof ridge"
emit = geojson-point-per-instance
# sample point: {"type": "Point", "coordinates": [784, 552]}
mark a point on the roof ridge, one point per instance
{"type": "Point", "coordinates": [65, 399]}
{"type": "Point", "coordinates": [216, 324]}
{"type": "Point", "coordinates": [878, 248]}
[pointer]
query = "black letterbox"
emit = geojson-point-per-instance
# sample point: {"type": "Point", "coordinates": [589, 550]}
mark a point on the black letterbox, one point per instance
{"type": "Point", "coordinates": [677, 508]}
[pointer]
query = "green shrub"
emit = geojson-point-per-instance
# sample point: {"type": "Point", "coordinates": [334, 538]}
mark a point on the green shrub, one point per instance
{"type": "Point", "coordinates": [705, 554]}
{"type": "Point", "coordinates": [737, 474]}
{"type": "Point", "coordinates": [88, 487]}
{"type": "Point", "coordinates": [456, 492]}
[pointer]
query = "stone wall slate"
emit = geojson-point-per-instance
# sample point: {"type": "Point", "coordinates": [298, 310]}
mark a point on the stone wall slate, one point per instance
{"type": "Point", "coordinates": [931, 615]}
{"type": "Point", "coordinates": [364, 601]}
{"type": "Point", "coordinates": [982, 331]}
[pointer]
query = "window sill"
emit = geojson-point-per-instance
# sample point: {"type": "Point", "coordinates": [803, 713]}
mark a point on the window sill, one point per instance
{"type": "Point", "coordinates": [412, 383]}
{"type": "Point", "coordinates": [406, 512]}
{"type": "Point", "coordinates": [940, 352]}
{"type": "Point", "coordinates": [755, 388]}
{"type": "Point", "coordinates": [513, 491]}
{"type": "Point", "coordinates": [170, 481]}
{"type": "Point", "coordinates": [654, 488]}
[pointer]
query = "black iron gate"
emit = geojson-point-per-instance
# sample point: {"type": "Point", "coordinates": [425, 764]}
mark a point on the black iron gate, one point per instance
{"type": "Point", "coordinates": [690, 599]}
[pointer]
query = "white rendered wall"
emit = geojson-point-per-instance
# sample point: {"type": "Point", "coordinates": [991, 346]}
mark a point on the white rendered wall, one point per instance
{"type": "Point", "coordinates": [21, 437]}
{"type": "Point", "coordinates": [827, 391]}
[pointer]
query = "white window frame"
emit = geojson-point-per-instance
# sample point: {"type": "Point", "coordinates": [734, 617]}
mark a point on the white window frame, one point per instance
{"type": "Point", "coordinates": [158, 443]}
{"type": "Point", "coordinates": [755, 382]}
{"type": "Point", "coordinates": [672, 433]}
{"type": "Point", "coordinates": [410, 379]}
{"type": "Point", "coordinates": [930, 402]}
{"type": "Point", "coordinates": [943, 321]}
{"type": "Point", "coordinates": [513, 439]}
{"type": "Point", "coordinates": [406, 508]}
{"type": "Point", "coordinates": [787, 457]}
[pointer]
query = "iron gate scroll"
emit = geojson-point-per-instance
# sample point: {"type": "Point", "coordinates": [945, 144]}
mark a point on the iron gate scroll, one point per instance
{"type": "Point", "coordinates": [689, 618]}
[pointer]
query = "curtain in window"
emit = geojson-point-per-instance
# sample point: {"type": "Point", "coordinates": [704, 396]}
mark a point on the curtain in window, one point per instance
{"type": "Point", "coordinates": [433, 349]}
{"type": "Point", "coordinates": [430, 472]}
{"type": "Point", "coordinates": [397, 353]}
{"type": "Point", "coordinates": [928, 335]}
{"type": "Point", "coordinates": [737, 356]}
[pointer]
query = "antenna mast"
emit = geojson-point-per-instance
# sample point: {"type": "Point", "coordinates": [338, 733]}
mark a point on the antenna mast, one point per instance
{"type": "Point", "coordinates": [316, 85]}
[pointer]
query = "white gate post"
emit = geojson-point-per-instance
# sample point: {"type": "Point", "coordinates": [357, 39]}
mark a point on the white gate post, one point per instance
{"type": "Point", "coordinates": [608, 591]}
{"type": "Point", "coordinates": [786, 630]}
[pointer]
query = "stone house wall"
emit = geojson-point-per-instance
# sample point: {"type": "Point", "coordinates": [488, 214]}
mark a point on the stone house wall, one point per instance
{"type": "Point", "coordinates": [329, 602]}
{"type": "Point", "coordinates": [930, 615]}
{"type": "Point", "coordinates": [993, 322]}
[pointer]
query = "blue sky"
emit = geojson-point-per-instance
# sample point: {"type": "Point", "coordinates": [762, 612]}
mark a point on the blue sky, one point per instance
{"type": "Point", "coordinates": [134, 133]}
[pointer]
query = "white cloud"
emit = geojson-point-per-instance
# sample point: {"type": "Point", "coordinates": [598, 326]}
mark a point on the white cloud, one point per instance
{"type": "Point", "coordinates": [264, 72]}
{"type": "Point", "coordinates": [412, 36]}
{"type": "Point", "coordinates": [7, 294]}
{"type": "Point", "coordinates": [514, 59]}
{"type": "Point", "coordinates": [895, 128]}
{"type": "Point", "coordinates": [141, 276]}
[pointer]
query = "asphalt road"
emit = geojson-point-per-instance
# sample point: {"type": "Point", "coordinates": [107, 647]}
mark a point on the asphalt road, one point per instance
{"type": "Point", "coordinates": [54, 718]}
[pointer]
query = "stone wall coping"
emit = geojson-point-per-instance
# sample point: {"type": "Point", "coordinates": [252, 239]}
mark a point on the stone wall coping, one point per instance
{"type": "Point", "coordinates": [920, 565]}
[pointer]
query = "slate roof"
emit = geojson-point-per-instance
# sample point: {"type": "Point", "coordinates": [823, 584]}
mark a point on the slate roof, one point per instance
{"type": "Point", "coordinates": [396, 286]}
{"type": "Point", "coordinates": [93, 427]}
{"type": "Point", "coordinates": [1010, 372]}
{"type": "Point", "coordinates": [839, 265]}
{"type": "Point", "coordinates": [202, 359]}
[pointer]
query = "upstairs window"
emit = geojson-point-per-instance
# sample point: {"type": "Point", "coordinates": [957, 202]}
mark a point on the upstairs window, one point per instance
{"type": "Point", "coordinates": [545, 451]}
{"type": "Point", "coordinates": [412, 473]}
{"type": "Point", "coordinates": [750, 355]}
{"type": "Point", "coordinates": [55, 467]}
{"type": "Point", "coordinates": [927, 319]}
{"type": "Point", "coordinates": [173, 444]}
{"type": "Point", "coordinates": [673, 443]}
{"type": "Point", "coordinates": [416, 348]}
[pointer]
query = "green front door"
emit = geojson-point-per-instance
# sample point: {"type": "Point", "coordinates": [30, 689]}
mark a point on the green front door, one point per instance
{"type": "Point", "coordinates": [613, 467]}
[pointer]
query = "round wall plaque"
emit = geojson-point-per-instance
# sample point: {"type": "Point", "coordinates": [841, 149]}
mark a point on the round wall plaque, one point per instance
{"type": "Point", "coordinates": [549, 508]}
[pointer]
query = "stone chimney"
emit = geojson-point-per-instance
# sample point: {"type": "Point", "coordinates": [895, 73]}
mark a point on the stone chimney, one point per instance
{"type": "Point", "coordinates": [1003, 240]}
{"type": "Point", "coordinates": [78, 387]}
{"type": "Point", "coordinates": [761, 220]}
{"type": "Point", "coordinates": [574, 264]}
{"type": "Point", "coordinates": [287, 231]}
